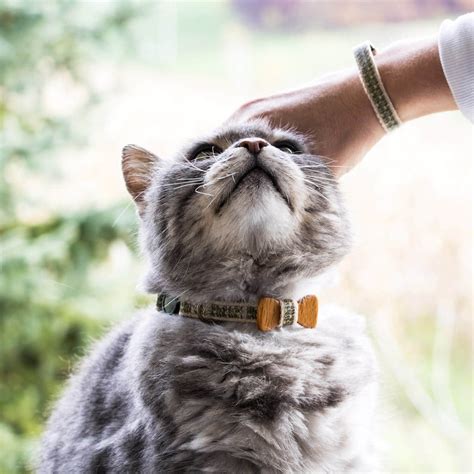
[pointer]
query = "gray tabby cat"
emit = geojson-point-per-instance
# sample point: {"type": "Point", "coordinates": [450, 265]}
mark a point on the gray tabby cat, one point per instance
{"type": "Point", "coordinates": [245, 213]}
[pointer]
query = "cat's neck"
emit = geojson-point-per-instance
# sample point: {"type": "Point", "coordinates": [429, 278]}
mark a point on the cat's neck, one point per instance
{"type": "Point", "coordinates": [234, 293]}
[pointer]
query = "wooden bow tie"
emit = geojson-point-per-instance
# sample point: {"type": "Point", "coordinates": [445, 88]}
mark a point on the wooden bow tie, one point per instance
{"type": "Point", "coordinates": [273, 313]}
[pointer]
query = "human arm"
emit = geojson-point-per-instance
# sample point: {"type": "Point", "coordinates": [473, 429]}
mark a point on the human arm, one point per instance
{"type": "Point", "coordinates": [336, 113]}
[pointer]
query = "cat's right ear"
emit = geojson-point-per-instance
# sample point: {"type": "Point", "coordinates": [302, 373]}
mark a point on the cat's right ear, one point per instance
{"type": "Point", "coordinates": [137, 169]}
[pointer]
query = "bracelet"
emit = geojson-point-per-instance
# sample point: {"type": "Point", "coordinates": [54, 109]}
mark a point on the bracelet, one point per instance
{"type": "Point", "coordinates": [373, 86]}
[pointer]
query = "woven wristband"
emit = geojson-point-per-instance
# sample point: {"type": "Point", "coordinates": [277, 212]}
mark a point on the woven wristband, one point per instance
{"type": "Point", "coordinates": [373, 86]}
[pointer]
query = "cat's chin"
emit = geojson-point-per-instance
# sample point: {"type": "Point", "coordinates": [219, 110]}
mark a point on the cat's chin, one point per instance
{"type": "Point", "coordinates": [257, 219]}
{"type": "Point", "coordinates": [250, 187]}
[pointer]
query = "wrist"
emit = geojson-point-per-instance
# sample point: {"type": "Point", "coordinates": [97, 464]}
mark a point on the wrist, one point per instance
{"type": "Point", "coordinates": [412, 75]}
{"type": "Point", "coordinates": [362, 128]}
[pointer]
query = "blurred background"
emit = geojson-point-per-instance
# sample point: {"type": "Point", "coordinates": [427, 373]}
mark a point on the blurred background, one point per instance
{"type": "Point", "coordinates": [81, 79]}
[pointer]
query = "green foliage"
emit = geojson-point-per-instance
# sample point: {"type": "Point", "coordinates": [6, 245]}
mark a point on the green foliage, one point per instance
{"type": "Point", "coordinates": [42, 284]}
{"type": "Point", "coordinates": [45, 266]}
{"type": "Point", "coordinates": [39, 43]}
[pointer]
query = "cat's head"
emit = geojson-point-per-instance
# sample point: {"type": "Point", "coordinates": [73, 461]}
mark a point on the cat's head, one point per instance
{"type": "Point", "coordinates": [243, 213]}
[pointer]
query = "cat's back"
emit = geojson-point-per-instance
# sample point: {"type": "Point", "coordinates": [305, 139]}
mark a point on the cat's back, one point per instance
{"type": "Point", "coordinates": [171, 394]}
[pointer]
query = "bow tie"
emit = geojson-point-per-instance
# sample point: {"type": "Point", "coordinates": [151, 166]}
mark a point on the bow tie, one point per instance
{"type": "Point", "coordinates": [269, 313]}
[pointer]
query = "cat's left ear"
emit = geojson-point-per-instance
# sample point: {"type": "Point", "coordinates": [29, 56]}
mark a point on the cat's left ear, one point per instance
{"type": "Point", "coordinates": [137, 169]}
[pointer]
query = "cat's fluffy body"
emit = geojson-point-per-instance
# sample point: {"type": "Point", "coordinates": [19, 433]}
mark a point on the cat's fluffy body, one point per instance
{"type": "Point", "coordinates": [168, 394]}
{"type": "Point", "coordinates": [164, 393]}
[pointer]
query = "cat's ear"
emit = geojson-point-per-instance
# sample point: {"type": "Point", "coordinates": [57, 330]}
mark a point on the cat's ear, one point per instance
{"type": "Point", "coordinates": [137, 168]}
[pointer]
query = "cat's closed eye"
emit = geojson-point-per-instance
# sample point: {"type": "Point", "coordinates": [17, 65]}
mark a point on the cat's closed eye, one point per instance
{"type": "Point", "coordinates": [287, 146]}
{"type": "Point", "coordinates": [205, 151]}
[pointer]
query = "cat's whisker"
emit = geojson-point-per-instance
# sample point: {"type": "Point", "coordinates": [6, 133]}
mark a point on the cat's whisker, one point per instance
{"type": "Point", "coordinates": [187, 185]}
{"type": "Point", "coordinates": [323, 196]}
{"type": "Point", "coordinates": [312, 179]}
{"type": "Point", "coordinates": [316, 168]}
{"type": "Point", "coordinates": [211, 201]}
{"type": "Point", "coordinates": [189, 178]}
{"type": "Point", "coordinates": [177, 297]}
{"type": "Point", "coordinates": [174, 186]}
{"type": "Point", "coordinates": [200, 192]}
{"type": "Point", "coordinates": [192, 165]}
{"type": "Point", "coordinates": [126, 208]}
{"type": "Point", "coordinates": [322, 177]}
{"type": "Point", "coordinates": [230, 175]}
{"type": "Point", "coordinates": [313, 165]}
{"type": "Point", "coordinates": [317, 181]}
{"type": "Point", "coordinates": [319, 178]}
{"type": "Point", "coordinates": [329, 163]}
{"type": "Point", "coordinates": [182, 182]}
{"type": "Point", "coordinates": [177, 263]}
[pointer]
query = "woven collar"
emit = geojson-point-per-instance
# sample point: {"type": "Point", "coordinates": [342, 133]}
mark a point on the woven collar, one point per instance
{"type": "Point", "coordinates": [268, 314]}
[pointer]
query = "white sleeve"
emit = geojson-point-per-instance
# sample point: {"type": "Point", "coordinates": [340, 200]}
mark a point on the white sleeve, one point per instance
{"type": "Point", "coordinates": [456, 51]}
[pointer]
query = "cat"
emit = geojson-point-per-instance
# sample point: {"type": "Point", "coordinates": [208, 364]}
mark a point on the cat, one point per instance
{"type": "Point", "coordinates": [243, 214]}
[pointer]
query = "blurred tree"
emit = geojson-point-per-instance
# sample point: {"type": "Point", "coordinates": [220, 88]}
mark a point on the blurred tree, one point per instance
{"type": "Point", "coordinates": [44, 265]}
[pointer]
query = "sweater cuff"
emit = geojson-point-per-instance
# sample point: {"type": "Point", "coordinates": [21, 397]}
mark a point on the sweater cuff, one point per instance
{"type": "Point", "coordinates": [456, 50]}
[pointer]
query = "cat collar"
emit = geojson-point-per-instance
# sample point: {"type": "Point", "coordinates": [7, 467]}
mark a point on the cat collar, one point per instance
{"type": "Point", "coordinates": [269, 313]}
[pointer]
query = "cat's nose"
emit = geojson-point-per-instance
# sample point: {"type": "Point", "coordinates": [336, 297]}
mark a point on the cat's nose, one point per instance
{"type": "Point", "coordinates": [253, 145]}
